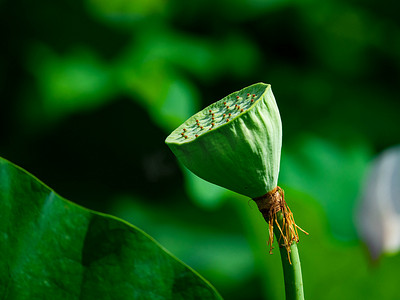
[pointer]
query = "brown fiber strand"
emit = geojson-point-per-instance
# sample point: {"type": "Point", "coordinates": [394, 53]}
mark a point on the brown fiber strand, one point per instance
{"type": "Point", "coordinates": [269, 205]}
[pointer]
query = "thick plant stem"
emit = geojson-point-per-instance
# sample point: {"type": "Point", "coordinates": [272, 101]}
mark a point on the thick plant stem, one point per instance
{"type": "Point", "coordinates": [281, 223]}
{"type": "Point", "coordinates": [291, 265]}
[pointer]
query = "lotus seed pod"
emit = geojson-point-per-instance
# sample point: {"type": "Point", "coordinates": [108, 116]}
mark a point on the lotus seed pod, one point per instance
{"type": "Point", "coordinates": [235, 142]}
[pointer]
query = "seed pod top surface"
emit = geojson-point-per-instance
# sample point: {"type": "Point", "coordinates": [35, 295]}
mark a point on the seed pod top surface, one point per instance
{"type": "Point", "coordinates": [235, 142]}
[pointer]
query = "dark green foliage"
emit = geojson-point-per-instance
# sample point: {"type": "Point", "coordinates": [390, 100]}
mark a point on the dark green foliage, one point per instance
{"type": "Point", "coordinates": [51, 248]}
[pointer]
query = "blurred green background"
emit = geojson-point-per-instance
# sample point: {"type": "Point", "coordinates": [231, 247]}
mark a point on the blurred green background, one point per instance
{"type": "Point", "coordinates": [90, 90]}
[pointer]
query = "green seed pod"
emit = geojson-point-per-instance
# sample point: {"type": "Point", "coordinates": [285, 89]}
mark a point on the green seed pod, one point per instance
{"type": "Point", "coordinates": [235, 142]}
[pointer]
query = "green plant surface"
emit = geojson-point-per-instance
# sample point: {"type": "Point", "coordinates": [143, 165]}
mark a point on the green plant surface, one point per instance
{"type": "Point", "coordinates": [291, 267]}
{"type": "Point", "coordinates": [235, 142]}
{"type": "Point", "coordinates": [51, 248]}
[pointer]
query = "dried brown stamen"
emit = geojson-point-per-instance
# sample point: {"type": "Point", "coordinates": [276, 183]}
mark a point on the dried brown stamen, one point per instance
{"type": "Point", "coordinates": [269, 205]}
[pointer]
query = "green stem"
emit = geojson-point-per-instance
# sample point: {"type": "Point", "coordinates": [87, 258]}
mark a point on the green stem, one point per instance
{"type": "Point", "coordinates": [291, 272]}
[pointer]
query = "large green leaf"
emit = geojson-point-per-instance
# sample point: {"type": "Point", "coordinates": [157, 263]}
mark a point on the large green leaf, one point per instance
{"type": "Point", "coordinates": [51, 248]}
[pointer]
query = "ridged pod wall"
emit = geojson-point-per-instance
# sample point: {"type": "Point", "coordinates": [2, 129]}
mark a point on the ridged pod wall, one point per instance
{"type": "Point", "coordinates": [235, 142]}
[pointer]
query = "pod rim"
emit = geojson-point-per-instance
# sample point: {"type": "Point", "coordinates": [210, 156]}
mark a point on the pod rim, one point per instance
{"type": "Point", "coordinates": [173, 137]}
